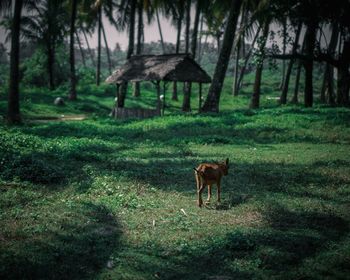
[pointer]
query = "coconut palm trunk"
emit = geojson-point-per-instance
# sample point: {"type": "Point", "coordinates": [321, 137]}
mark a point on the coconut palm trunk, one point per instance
{"type": "Point", "coordinates": [283, 97]}
{"type": "Point", "coordinates": [50, 63]}
{"type": "Point", "coordinates": [212, 101]}
{"type": "Point", "coordinates": [343, 82]}
{"type": "Point", "coordinates": [72, 85]}
{"type": "Point", "coordinates": [310, 37]}
{"type": "Point", "coordinates": [178, 42]}
{"type": "Point", "coordinates": [98, 66]}
{"type": "Point", "coordinates": [136, 91]}
{"type": "Point", "coordinates": [160, 31]}
{"type": "Point", "coordinates": [246, 60]}
{"type": "Point", "coordinates": [327, 84]}
{"type": "Point", "coordinates": [13, 113]}
{"type": "Point", "coordinates": [235, 80]}
{"type": "Point", "coordinates": [284, 47]}
{"type": "Point", "coordinates": [199, 56]}
{"type": "Point", "coordinates": [186, 104]}
{"type": "Point", "coordinates": [89, 49]}
{"type": "Point", "coordinates": [107, 49]}
{"type": "Point", "coordinates": [124, 86]}
{"type": "Point", "coordinates": [255, 100]}
{"type": "Point", "coordinates": [81, 49]}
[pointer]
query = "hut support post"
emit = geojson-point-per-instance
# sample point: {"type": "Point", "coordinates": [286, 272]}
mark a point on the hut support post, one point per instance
{"type": "Point", "coordinates": [163, 101]}
{"type": "Point", "coordinates": [114, 113]}
{"type": "Point", "coordinates": [200, 98]}
{"type": "Point", "coordinates": [158, 98]}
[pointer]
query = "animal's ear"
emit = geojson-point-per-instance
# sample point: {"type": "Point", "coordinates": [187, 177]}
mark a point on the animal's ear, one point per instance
{"type": "Point", "coordinates": [227, 161]}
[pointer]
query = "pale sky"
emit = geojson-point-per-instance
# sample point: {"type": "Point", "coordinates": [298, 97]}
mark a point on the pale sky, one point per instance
{"type": "Point", "coordinates": [114, 36]}
{"type": "Point", "coordinates": [151, 34]}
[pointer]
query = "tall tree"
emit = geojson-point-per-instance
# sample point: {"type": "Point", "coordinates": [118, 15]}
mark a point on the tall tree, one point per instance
{"type": "Point", "coordinates": [283, 97]}
{"type": "Point", "coordinates": [255, 100]}
{"type": "Point", "coordinates": [136, 92]}
{"type": "Point", "coordinates": [13, 113]}
{"type": "Point", "coordinates": [213, 99]}
{"type": "Point", "coordinates": [72, 84]}
{"type": "Point", "coordinates": [99, 28]}
{"type": "Point", "coordinates": [310, 37]}
{"type": "Point", "coordinates": [327, 84]}
{"type": "Point", "coordinates": [45, 24]}
{"type": "Point", "coordinates": [130, 51]}
{"type": "Point", "coordinates": [107, 50]}
{"type": "Point", "coordinates": [178, 13]}
{"type": "Point", "coordinates": [186, 104]}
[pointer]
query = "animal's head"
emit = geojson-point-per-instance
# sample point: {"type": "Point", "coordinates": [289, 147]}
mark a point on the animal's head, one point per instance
{"type": "Point", "coordinates": [224, 166]}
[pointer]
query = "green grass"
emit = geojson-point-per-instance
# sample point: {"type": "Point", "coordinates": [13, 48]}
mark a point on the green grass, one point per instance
{"type": "Point", "coordinates": [78, 195]}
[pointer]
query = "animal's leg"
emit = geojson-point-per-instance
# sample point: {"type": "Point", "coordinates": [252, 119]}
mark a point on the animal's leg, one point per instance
{"type": "Point", "coordinates": [209, 193]}
{"type": "Point", "coordinates": [200, 190]}
{"type": "Point", "coordinates": [198, 180]}
{"type": "Point", "coordinates": [219, 190]}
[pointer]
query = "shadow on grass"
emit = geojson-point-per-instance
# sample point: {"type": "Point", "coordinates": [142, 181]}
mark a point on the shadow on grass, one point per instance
{"type": "Point", "coordinates": [276, 251]}
{"type": "Point", "coordinates": [75, 245]}
{"type": "Point", "coordinates": [196, 131]}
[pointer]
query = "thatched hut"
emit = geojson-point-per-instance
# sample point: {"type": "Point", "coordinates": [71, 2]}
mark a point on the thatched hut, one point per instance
{"type": "Point", "coordinates": [157, 68]}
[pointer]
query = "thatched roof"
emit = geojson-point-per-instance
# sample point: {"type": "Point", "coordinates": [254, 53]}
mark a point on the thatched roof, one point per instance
{"type": "Point", "coordinates": [168, 67]}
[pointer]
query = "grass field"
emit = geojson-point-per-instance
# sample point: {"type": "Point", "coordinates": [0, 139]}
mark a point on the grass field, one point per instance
{"type": "Point", "coordinates": [107, 199]}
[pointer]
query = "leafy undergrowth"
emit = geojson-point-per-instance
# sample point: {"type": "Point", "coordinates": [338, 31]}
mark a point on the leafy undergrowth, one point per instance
{"type": "Point", "coordinates": [110, 199]}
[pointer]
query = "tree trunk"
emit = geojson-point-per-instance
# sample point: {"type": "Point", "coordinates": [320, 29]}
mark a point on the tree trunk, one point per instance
{"type": "Point", "coordinates": [284, 34]}
{"type": "Point", "coordinates": [195, 30]}
{"type": "Point", "coordinates": [72, 88]}
{"type": "Point", "coordinates": [212, 101]}
{"type": "Point", "coordinates": [50, 64]}
{"type": "Point", "coordinates": [13, 114]}
{"type": "Point", "coordinates": [136, 91]}
{"type": "Point", "coordinates": [186, 104]}
{"type": "Point", "coordinates": [160, 32]}
{"type": "Point", "coordinates": [188, 24]}
{"type": "Point", "coordinates": [177, 50]}
{"type": "Point", "coordinates": [255, 100]}
{"type": "Point", "coordinates": [283, 98]}
{"type": "Point", "coordinates": [235, 78]}
{"type": "Point", "coordinates": [295, 99]}
{"type": "Point", "coordinates": [218, 36]}
{"type": "Point", "coordinates": [327, 84]}
{"type": "Point", "coordinates": [98, 66]}
{"type": "Point", "coordinates": [80, 48]}
{"type": "Point", "coordinates": [310, 37]}
{"type": "Point", "coordinates": [241, 75]}
{"type": "Point", "coordinates": [89, 49]}
{"type": "Point", "coordinates": [107, 49]}
{"type": "Point", "coordinates": [343, 82]}
{"type": "Point", "coordinates": [124, 86]}
{"type": "Point", "coordinates": [200, 40]}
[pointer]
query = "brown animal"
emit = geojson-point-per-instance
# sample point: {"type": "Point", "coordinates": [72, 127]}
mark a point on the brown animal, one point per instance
{"type": "Point", "coordinates": [208, 174]}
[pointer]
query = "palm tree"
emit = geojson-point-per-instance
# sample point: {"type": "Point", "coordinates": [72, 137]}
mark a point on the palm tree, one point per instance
{"type": "Point", "coordinates": [255, 100]}
{"type": "Point", "coordinates": [13, 113]}
{"type": "Point", "coordinates": [130, 51]}
{"type": "Point", "coordinates": [178, 14]}
{"type": "Point", "coordinates": [212, 101]}
{"type": "Point", "coordinates": [72, 84]}
{"type": "Point", "coordinates": [45, 23]}
{"type": "Point", "coordinates": [327, 84]}
{"type": "Point", "coordinates": [285, 86]}
{"type": "Point", "coordinates": [140, 27]}
{"type": "Point", "coordinates": [101, 8]}
{"type": "Point", "coordinates": [186, 104]}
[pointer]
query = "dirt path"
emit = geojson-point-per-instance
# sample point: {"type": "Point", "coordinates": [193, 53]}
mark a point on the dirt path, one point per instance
{"type": "Point", "coordinates": [59, 118]}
